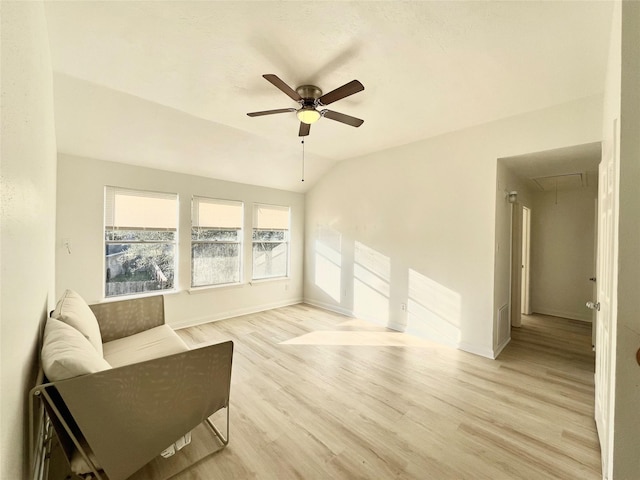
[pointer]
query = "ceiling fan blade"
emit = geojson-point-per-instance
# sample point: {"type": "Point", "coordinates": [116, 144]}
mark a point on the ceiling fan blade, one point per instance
{"type": "Point", "coordinates": [271, 112]}
{"type": "Point", "coordinates": [304, 129]}
{"type": "Point", "coordinates": [354, 86]}
{"type": "Point", "coordinates": [341, 117]}
{"type": "Point", "coordinates": [282, 86]}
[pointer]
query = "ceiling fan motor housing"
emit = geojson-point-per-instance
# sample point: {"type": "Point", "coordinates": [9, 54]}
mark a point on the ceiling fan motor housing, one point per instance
{"type": "Point", "coordinates": [309, 94]}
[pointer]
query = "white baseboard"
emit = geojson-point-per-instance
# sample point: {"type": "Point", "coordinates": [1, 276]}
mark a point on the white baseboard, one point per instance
{"type": "Point", "coordinates": [500, 347]}
{"type": "Point", "coordinates": [343, 311]}
{"type": "Point", "coordinates": [483, 352]}
{"type": "Point", "coordinates": [397, 327]}
{"type": "Point", "coordinates": [329, 306]}
{"type": "Point", "coordinates": [467, 347]}
{"type": "Point", "coordinates": [233, 313]}
{"type": "Point", "coordinates": [559, 313]}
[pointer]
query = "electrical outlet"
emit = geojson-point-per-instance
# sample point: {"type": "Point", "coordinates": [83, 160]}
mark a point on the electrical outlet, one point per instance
{"type": "Point", "coordinates": [403, 307]}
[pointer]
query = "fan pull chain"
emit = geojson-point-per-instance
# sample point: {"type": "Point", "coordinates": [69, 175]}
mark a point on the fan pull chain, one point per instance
{"type": "Point", "coordinates": [302, 159]}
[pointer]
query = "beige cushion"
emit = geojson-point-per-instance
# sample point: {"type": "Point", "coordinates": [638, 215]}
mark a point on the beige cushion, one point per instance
{"type": "Point", "coordinates": [73, 310]}
{"type": "Point", "coordinates": [153, 343]}
{"type": "Point", "coordinates": [66, 353]}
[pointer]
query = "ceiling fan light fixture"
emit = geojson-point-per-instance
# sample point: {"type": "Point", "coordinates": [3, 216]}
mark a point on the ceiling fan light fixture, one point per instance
{"type": "Point", "coordinates": [308, 115]}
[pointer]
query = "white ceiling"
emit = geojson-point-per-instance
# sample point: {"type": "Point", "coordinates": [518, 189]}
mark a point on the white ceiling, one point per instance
{"type": "Point", "coordinates": [168, 84]}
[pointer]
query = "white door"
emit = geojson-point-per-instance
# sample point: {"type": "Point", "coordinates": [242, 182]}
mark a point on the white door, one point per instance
{"type": "Point", "coordinates": [594, 279]}
{"type": "Point", "coordinates": [605, 338]}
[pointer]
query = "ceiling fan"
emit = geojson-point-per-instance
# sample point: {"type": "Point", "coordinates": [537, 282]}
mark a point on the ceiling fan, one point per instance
{"type": "Point", "coordinates": [311, 99]}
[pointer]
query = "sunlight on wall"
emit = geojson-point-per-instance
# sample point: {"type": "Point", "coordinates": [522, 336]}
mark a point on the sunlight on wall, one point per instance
{"type": "Point", "coordinates": [328, 260]}
{"type": "Point", "coordinates": [433, 311]}
{"type": "Point", "coordinates": [371, 274]}
{"type": "Point", "coordinates": [328, 270]}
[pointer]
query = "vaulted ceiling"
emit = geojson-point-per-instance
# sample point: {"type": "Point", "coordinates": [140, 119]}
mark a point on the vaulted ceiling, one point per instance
{"type": "Point", "coordinates": [168, 84]}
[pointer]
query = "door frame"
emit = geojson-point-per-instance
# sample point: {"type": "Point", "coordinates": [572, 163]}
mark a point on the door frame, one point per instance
{"type": "Point", "coordinates": [515, 266]}
{"type": "Point", "coordinates": [525, 287]}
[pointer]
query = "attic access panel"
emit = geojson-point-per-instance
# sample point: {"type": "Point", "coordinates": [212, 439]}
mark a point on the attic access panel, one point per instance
{"type": "Point", "coordinates": [561, 182]}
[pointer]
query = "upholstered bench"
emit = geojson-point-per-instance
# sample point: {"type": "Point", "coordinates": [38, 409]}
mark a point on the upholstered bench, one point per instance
{"type": "Point", "coordinates": [120, 386]}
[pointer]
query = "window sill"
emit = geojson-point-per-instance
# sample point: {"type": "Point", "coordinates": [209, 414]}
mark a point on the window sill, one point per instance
{"type": "Point", "coordinates": [269, 280]}
{"type": "Point", "coordinates": [209, 288]}
{"type": "Point", "coordinates": [153, 293]}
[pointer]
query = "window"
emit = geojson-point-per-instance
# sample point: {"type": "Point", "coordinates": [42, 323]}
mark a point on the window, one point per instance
{"type": "Point", "coordinates": [216, 241]}
{"type": "Point", "coordinates": [140, 241]}
{"type": "Point", "coordinates": [270, 241]}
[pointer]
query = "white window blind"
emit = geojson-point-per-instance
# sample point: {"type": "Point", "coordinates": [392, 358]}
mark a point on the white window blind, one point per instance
{"type": "Point", "coordinates": [134, 209]}
{"type": "Point", "coordinates": [272, 217]}
{"type": "Point", "coordinates": [208, 212]}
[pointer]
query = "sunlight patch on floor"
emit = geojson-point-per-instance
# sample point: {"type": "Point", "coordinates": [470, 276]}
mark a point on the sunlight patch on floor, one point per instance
{"type": "Point", "coordinates": [359, 324]}
{"type": "Point", "coordinates": [337, 337]}
{"type": "Point", "coordinates": [359, 333]}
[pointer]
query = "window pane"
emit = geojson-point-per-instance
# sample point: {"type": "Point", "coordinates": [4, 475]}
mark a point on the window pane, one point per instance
{"type": "Point", "coordinates": [215, 235]}
{"type": "Point", "coordinates": [269, 235]}
{"type": "Point", "coordinates": [140, 236]}
{"type": "Point", "coordinates": [216, 241]}
{"type": "Point", "coordinates": [138, 268]}
{"type": "Point", "coordinates": [270, 260]}
{"type": "Point", "coordinates": [215, 263]}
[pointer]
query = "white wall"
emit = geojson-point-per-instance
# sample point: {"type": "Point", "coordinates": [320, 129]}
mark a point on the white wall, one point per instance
{"type": "Point", "coordinates": [562, 251]}
{"type": "Point", "coordinates": [422, 217]}
{"type": "Point", "coordinates": [626, 461]}
{"type": "Point", "coordinates": [28, 218]}
{"type": "Point", "coordinates": [80, 210]}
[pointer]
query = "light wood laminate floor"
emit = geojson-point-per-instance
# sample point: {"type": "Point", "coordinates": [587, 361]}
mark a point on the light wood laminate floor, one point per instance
{"type": "Point", "coordinates": [316, 395]}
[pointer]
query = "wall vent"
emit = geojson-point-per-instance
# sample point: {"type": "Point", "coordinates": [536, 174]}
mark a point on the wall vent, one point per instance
{"type": "Point", "coordinates": [504, 324]}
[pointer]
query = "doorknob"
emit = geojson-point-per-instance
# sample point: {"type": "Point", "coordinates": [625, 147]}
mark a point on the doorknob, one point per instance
{"type": "Point", "coordinates": [593, 305]}
{"type": "Point", "coordinates": [593, 279]}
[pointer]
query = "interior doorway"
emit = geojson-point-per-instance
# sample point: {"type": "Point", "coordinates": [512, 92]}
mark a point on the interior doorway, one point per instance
{"type": "Point", "coordinates": [550, 229]}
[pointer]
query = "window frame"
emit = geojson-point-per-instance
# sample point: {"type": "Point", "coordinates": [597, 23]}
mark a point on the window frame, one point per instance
{"type": "Point", "coordinates": [286, 241]}
{"type": "Point", "coordinates": [239, 242]}
{"type": "Point", "coordinates": [107, 229]}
